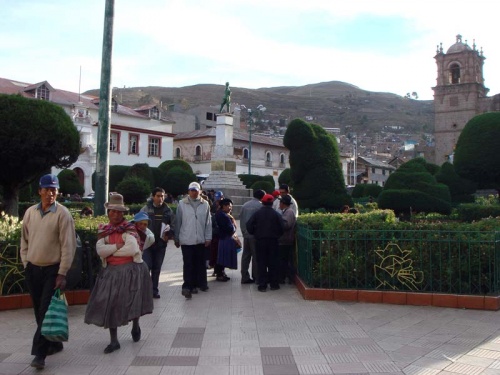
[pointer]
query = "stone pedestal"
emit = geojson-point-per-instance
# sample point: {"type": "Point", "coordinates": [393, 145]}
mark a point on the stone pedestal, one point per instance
{"type": "Point", "coordinates": [223, 175]}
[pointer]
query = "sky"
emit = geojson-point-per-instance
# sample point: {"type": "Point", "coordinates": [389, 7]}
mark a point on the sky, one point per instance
{"type": "Point", "coordinates": [376, 45]}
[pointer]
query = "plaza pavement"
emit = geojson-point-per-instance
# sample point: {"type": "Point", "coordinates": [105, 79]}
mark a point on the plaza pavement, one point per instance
{"type": "Point", "coordinates": [235, 330]}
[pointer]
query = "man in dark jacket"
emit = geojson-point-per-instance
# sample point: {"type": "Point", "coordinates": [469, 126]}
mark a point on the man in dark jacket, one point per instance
{"type": "Point", "coordinates": [161, 224]}
{"type": "Point", "coordinates": [267, 226]}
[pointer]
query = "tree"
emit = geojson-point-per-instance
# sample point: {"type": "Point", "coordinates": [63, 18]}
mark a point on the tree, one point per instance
{"type": "Point", "coordinates": [177, 180]}
{"type": "Point", "coordinates": [413, 187]}
{"type": "Point", "coordinates": [35, 135]}
{"type": "Point", "coordinates": [133, 189]}
{"type": "Point", "coordinates": [461, 190]}
{"type": "Point", "coordinates": [285, 177]}
{"type": "Point", "coordinates": [315, 168]}
{"type": "Point", "coordinates": [142, 171]}
{"type": "Point", "coordinates": [69, 182]}
{"type": "Point", "coordinates": [476, 154]}
{"type": "Point", "coordinates": [169, 164]}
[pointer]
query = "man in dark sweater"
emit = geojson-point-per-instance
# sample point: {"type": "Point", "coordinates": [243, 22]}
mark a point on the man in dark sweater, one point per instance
{"type": "Point", "coordinates": [161, 224]}
{"type": "Point", "coordinates": [267, 226]}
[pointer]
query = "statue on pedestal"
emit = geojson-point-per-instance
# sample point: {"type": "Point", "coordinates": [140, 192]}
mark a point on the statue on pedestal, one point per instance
{"type": "Point", "coordinates": [226, 101]}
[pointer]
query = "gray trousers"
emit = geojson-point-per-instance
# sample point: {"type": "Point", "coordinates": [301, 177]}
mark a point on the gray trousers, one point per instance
{"type": "Point", "coordinates": [249, 254]}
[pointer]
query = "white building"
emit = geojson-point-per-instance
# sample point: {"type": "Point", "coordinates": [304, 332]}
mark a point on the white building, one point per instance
{"type": "Point", "coordinates": [137, 136]}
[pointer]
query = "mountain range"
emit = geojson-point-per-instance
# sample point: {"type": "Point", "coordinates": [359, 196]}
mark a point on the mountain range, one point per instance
{"type": "Point", "coordinates": [329, 104]}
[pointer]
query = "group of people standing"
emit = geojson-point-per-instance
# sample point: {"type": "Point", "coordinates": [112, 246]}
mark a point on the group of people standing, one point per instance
{"type": "Point", "coordinates": [268, 228]}
{"type": "Point", "coordinates": [132, 253]}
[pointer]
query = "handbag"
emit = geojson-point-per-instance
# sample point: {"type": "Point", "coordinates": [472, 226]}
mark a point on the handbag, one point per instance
{"type": "Point", "coordinates": [55, 322]}
{"type": "Point", "coordinates": [237, 242]}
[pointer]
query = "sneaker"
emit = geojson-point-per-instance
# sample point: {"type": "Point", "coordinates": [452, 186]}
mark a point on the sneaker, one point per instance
{"type": "Point", "coordinates": [186, 293]}
{"type": "Point", "coordinates": [38, 362]}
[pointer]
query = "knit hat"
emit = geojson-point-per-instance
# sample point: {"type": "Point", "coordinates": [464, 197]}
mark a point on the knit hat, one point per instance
{"type": "Point", "coordinates": [267, 199]}
{"type": "Point", "coordinates": [140, 216]}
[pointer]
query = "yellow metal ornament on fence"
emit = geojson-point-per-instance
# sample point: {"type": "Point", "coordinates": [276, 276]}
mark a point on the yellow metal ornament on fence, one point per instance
{"type": "Point", "coordinates": [12, 270]}
{"type": "Point", "coordinates": [395, 268]}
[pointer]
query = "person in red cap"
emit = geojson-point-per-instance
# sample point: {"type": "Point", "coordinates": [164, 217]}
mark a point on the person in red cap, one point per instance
{"type": "Point", "coordinates": [267, 226]}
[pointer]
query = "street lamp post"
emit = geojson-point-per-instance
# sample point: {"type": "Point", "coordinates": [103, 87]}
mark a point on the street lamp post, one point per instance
{"type": "Point", "coordinates": [250, 123]}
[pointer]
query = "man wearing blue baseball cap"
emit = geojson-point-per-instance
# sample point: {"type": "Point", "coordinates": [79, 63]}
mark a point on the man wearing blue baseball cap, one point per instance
{"type": "Point", "coordinates": [48, 244]}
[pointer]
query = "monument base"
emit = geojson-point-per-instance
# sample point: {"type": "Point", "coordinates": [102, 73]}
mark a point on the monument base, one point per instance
{"type": "Point", "coordinates": [223, 178]}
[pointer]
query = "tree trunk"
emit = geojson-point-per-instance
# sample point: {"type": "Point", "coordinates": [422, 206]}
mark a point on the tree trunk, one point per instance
{"type": "Point", "coordinates": [11, 199]}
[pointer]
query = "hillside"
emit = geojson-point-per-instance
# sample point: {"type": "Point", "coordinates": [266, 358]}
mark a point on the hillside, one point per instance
{"type": "Point", "coordinates": [330, 104]}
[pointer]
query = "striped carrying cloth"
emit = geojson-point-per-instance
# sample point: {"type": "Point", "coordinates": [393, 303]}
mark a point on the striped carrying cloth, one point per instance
{"type": "Point", "coordinates": [55, 322]}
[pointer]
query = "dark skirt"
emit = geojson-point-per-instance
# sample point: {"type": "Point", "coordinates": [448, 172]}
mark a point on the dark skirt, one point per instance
{"type": "Point", "coordinates": [121, 293]}
{"type": "Point", "coordinates": [226, 254]}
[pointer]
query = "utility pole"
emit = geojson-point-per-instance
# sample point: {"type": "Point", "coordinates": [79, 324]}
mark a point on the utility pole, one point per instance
{"type": "Point", "coordinates": [250, 123]}
{"type": "Point", "coordinates": [103, 130]}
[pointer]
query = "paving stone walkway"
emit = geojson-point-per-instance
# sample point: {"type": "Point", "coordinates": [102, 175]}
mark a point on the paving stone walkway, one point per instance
{"type": "Point", "coordinates": [235, 330]}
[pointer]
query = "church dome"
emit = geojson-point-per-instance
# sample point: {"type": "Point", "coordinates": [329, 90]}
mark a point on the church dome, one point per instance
{"type": "Point", "coordinates": [458, 46]}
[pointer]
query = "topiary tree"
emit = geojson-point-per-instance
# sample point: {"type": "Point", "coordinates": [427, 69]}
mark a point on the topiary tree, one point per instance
{"type": "Point", "coordinates": [116, 175]}
{"type": "Point", "coordinates": [176, 163]}
{"type": "Point", "coordinates": [69, 182]}
{"type": "Point", "coordinates": [366, 190]}
{"type": "Point", "coordinates": [142, 171]}
{"type": "Point", "coordinates": [177, 180]}
{"type": "Point", "coordinates": [133, 189]}
{"type": "Point", "coordinates": [250, 179]}
{"type": "Point", "coordinates": [461, 190]}
{"type": "Point", "coordinates": [315, 167]}
{"type": "Point", "coordinates": [476, 154]}
{"type": "Point", "coordinates": [413, 187]}
{"type": "Point", "coordinates": [285, 177]}
{"type": "Point", "coordinates": [35, 135]}
{"type": "Point", "coordinates": [264, 185]}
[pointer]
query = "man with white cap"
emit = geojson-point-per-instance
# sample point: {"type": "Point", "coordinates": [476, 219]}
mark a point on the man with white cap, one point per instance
{"type": "Point", "coordinates": [48, 244]}
{"type": "Point", "coordinates": [193, 233]}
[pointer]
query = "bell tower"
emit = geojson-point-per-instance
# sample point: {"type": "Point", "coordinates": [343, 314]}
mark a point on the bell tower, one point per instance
{"type": "Point", "coordinates": [457, 94]}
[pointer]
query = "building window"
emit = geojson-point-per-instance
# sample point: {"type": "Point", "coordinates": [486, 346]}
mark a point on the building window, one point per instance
{"type": "Point", "coordinates": [373, 170]}
{"type": "Point", "coordinates": [282, 158]}
{"type": "Point", "coordinates": [455, 74]}
{"type": "Point", "coordinates": [114, 142]}
{"type": "Point", "coordinates": [133, 144]}
{"type": "Point", "coordinates": [42, 93]}
{"type": "Point", "coordinates": [154, 146]}
{"type": "Point", "coordinates": [197, 153]}
{"type": "Point", "coordinates": [154, 113]}
{"type": "Point", "coordinates": [211, 116]}
{"type": "Point", "coordinates": [178, 153]}
{"type": "Point", "coordinates": [383, 172]}
{"type": "Point", "coordinates": [268, 156]}
{"type": "Point", "coordinates": [245, 153]}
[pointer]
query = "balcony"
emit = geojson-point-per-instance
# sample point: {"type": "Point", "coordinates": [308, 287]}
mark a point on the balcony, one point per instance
{"type": "Point", "coordinates": [269, 163]}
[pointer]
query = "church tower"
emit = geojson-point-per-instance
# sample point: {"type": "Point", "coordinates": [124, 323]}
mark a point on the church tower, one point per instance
{"type": "Point", "coordinates": [458, 94]}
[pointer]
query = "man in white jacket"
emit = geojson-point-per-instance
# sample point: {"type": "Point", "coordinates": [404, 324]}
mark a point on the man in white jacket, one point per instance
{"type": "Point", "coordinates": [193, 233]}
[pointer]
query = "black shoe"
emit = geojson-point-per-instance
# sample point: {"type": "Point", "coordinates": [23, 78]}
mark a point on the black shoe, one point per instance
{"type": "Point", "coordinates": [194, 291]}
{"type": "Point", "coordinates": [249, 281]}
{"type": "Point", "coordinates": [186, 293]}
{"type": "Point", "coordinates": [204, 288]}
{"type": "Point", "coordinates": [262, 288]}
{"type": "Point", "coordinates": [275, 287]}
{"type": "Point", "coordinates": [222, 278]}
{"type": "Point", "coordinates": [226, 276]}
{"type": "Point", "coordinates": [112, 347]}
{"type": "Point", "coordinates": [156, 296]}
{"type": "Point", "coordinates": [54, 348]}
{"type": "Point", "coordinates": [38, 362]}
{"type": "Point", "coordinates": [136, 334]}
